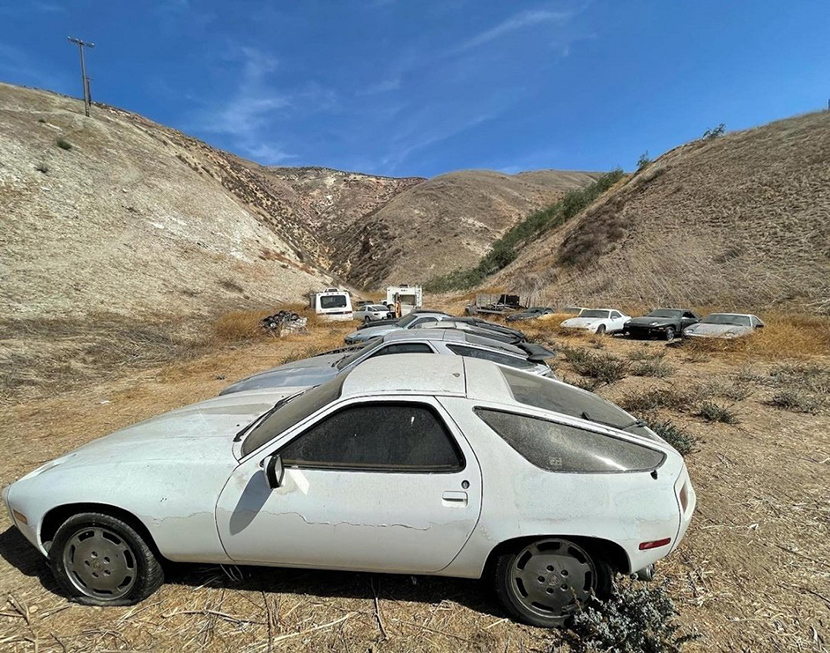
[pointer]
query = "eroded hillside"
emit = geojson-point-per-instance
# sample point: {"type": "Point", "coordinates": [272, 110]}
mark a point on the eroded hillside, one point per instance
{"type": "Point", "coordinates": [741, 221]}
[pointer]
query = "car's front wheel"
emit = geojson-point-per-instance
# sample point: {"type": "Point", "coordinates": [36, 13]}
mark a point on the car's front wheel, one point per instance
{"type": "Point", "coordinates": [669, 334]}
{"type": "Point", "coordinates": [601, 330]}
{"type": "Point", "coordinates": [543, 583]}
{"type": "Point", "coordinates": [101, 560]}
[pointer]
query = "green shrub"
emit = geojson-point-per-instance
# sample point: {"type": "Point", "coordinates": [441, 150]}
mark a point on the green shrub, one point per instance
{"type": "Point", "coordinates": [657, 368]}
{"type": "Point", "coordinates": [602, 367]}
{"type": "Point", "coordinates": [796, 401]}
{"type": "Point", "coordinates": [643, 161]}
{"type": "Point", "coordinates": [713, 412]}
{"type": "Point", "coordinates": [656, 399]}
{"type": "Point", "coordinates": [64, 144]}
{"type": "Point", "coordinates": [505, 250]}
{"type": "Point", "coordinates": [634, 619]}
{"type": "Point", "coordinates": [676, 436]}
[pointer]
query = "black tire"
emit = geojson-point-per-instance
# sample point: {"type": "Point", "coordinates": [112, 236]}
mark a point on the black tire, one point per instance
{"type": "Point", "coordinates": [601, 330]}
{"type": "Point", "coordinates": [670, 334]}
{"type": "Point", "coordinates": [92, 550]}
{"type": "Point", "coordinates": [559, 575]}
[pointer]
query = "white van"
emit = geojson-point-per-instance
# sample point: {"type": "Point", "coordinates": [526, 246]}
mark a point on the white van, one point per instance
{"type": "Point", "coordinates": [410, 297]}
{"type": "Point", "coordinates": [332, 304]}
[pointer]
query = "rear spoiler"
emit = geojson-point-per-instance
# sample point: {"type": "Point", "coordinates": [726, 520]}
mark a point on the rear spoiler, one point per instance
{"type": "Point", "coordinates": [536, 353]}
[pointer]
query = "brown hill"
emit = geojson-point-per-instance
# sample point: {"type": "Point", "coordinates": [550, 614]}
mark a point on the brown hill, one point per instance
{"type": "Point", "coordinates": [741, 221]}
{"type": "Point", "coordinates": [445, 223]}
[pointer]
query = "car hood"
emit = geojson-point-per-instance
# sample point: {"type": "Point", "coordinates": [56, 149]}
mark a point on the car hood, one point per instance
{"type": "Point", "coordinates": [717, 330]}
{"type": "Point", "coordinates": [372, 332]}
{"type": "Point", "coordinates": [199, 431]}
{"type": "Point", "coordinates": [652, 321]}
{"type": "Point", "coordinates": [582, 321]}
{"type": "Point", "coordinates": [303, 373]}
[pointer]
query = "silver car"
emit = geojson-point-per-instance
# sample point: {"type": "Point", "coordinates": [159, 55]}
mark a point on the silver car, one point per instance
{"type": "Point", "coordinates": [724, 325]}
{"type": "Point", "coordinates": [319, 369]}
{"type": "Point", "coordinates": [407, 322]}
{"type": "Point", "coordinates": [373, 312]}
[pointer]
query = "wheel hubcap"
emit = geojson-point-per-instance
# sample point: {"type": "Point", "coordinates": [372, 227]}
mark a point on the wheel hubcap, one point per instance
{"type": "Point", "coordinates": [100, 563]}
{"type": "Point", "coordinates": [551, 577]}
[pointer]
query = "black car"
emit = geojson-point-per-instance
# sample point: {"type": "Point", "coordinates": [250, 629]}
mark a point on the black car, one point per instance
{"type": "Point", "coordinates": [530, 314]}
{"type": "Point", "coordinates": [663, 322]}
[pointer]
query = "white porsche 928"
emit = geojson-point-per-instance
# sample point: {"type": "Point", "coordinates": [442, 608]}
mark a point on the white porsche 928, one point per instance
{"type": "Point", "coordinates": [463, 468]}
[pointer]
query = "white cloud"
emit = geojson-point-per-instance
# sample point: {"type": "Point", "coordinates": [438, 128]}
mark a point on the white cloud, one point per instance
{"type": "Point", "coordinates": [515, 22]}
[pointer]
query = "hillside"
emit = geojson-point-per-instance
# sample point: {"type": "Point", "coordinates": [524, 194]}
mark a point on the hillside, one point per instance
{"type": "Point", "coordinates": [444, 223]}
{"type": "Point", "coordinates": [740, 222]}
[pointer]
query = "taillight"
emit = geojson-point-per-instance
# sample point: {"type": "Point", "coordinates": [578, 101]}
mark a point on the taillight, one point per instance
{"type": "Point", "coordinates": [654, 544]}
{"type": "Point", "coordinates": [684, 497]}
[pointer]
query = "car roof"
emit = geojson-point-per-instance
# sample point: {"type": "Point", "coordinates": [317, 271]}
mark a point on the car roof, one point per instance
{"type": "Point", "coordinates": [407, 374]}
{"type": "Point", "coordinates": [473, 338]}
{"type": "Point", "coordinates": [737, 314]}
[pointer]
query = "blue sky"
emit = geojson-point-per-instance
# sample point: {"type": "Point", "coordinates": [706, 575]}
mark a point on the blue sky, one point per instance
{"type": "Point", "coordinates": [421, 87]}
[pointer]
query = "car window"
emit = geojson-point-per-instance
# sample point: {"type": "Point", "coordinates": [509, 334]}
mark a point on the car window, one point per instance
{"type": "Point", "coordinates": [486, 354]}
{"type": "Point", "coordinates": [558, 397]}
{"type": "Point", "coordinates": [393, 437]}
{"type": "Point", "coordinates": [404, 348]}
{"type": "Point", "coordinates": [592, 312]}
{"type": "Point", "coordinates": [560, 448]}
{"type": "Point", "coordinates": [690, 316]}
{"type": "Point", "coordinates": [332, 301]}
{"type": "Point", "coordinates": [293, 412]}
{"type": "Point", "coordinates": [615, 315]}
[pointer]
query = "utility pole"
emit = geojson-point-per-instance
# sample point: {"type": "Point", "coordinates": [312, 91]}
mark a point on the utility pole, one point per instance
{"type": "Point", "coordinates": [84, 78]}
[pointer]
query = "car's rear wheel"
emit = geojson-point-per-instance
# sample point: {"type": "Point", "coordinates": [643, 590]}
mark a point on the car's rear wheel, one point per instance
{"type": "Point", "coordinates": [601, 330]}
{"type": "Point", "coordinates": [543, 583]}
{"type": "Point", "coordinates": [101, 560]}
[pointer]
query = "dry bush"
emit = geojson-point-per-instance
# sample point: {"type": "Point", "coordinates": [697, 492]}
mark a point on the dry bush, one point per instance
{"type": "Point", "coordinates": [677, 399]}
{"type": "Point", "coordinates": [645, 353]}
{"type": "Point", "coordinates": [238, 326]}
{"type": "Point", "coordinates": [603, 367]}
{"type": "Point", "coordinates": [714, 412]}
{"type": "Point", "coordinates": [657, 368]}
{"type": "Point", "coordinates": [796, 401]}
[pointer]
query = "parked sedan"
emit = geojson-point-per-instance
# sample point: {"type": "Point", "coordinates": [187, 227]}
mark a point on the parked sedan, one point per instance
{"type": "Point", "coordinates": [326, 479]}
{"type": "Point", "coordinates": [477, 326]}
{"type": "Point", "coordinates": [662, 322]}
{"type": "Point", "coordinates": [724, 325]}
{"type": "Point", "coordinates": [319, 369]}
{"type": "Point", "coordinates": [373, 312]}
{"type": "Point", "coordinates": [406, 322]}
{"type": "Point", "coordinates": [597, 320]}
{"type": "Point", "coordinates": [530, 314]}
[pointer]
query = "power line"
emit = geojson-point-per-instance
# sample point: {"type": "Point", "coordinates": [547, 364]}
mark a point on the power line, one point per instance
{"type": "Point", "coordinates": [84, 79]}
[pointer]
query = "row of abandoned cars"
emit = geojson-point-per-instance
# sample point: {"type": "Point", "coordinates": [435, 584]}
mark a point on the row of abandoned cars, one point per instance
{"type": "Point", "coordinates": [431, 444]}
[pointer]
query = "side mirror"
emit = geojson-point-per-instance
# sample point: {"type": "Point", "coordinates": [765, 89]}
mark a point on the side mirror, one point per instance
{"type": "Point", "coordinates": [273, 471]}
{"type": "Point", "coordinates": [760, 325]}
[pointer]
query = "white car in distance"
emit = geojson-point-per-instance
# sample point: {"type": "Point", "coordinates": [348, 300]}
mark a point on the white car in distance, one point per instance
{"type": "Point", "coordinates": [597, 320]}
{"type": "Point", "coordinates": [576, 489]}
{"type": "Point", "coordinates": [373, 312]}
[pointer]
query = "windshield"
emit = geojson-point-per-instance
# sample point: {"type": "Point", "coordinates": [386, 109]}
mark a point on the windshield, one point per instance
{"type": "Point", "coordinates": [665, 312]}
{"type": "Point", "coordinates": [409, 319]}
{"type": "Point", "coordinates": [333, 301]}
{"type": "Point", "coordinates": [374, 307]}
{"type": "Point", "coordinates": [543, 393]}
{"type": "Point", "coordinates": [296, 410]}
{"type": "Point", "coordinates": [348, 359]}
{"type": "Point", "coordinates": [590, 312]}
{"type": "Point", "coordinates": [727, 318]}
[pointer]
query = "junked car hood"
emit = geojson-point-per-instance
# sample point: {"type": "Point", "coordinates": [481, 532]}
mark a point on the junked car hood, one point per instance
{"type": "Point", "coordinates": [652, 321]}
{"type": "Point", "coordinates": [200, 431]}
{"type": "Point", "coordinates": [582, 321]}
{"type": "Point", "coordinates": [303, 373]}
{"type": "Point", "coordinates": [702, 330]}
{"type": "Point", "coordinates": [372, 332]}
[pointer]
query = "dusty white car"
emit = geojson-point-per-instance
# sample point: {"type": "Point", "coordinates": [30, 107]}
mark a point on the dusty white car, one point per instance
{"type": "Point", "coordinates": [724, 325]}
{"type": "Point", "coordinates": [598, 320]}
{"type": "Point", "coordinates": [373, 312]}
{"type": "Point", "coordinates": [319, 369]}
{"type": "Point", "coordinates": [449, 469]}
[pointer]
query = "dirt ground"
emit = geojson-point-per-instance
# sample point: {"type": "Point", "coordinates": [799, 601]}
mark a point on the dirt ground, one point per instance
{"type": "Point", "coordinates": [752, 575]}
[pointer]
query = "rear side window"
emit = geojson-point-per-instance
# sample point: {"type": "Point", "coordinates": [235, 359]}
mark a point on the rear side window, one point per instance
{"type": "Point", "coordinates": [399, 437]}
{"type": "Point", "coordinates": [560, 448]}
{"type": "Point", "coordinates": [486, 354]}
{"type": "Point", "coordinates": [404, 348]}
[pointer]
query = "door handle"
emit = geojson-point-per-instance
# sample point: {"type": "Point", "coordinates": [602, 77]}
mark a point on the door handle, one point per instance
{"type": "Point", "coordinates": [455, 498]}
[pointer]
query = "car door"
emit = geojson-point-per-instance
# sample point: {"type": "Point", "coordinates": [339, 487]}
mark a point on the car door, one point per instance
{"type": "Point", "coordinates": [371, 485]}
{"type": "Point", "coordinates": [616, 321]}
{"type": "Point", "coordinates": [688, 319]}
